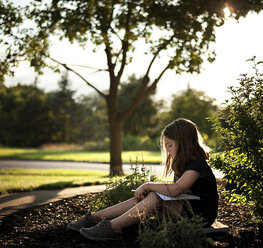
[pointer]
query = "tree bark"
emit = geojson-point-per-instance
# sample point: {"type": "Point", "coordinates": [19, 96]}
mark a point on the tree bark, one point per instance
{"type": "Point", "coordinates": [115, 148]}
{"type": "Point", "coordinates": [115, 125]}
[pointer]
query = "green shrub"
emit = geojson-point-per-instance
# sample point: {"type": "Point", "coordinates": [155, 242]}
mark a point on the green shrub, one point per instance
{"type": "Point", "coordinates": [97, 145]}
{"type": "Point", "coordinates": [240, 126]}
{"type": "Point", "coordinates": [134, 142]}
{"type": "Point", "coordinates": [130, 142]}
{"type": "Point", "coordinates": [184, 233]}
{"type": "Point", "coordinates": [119, 190]}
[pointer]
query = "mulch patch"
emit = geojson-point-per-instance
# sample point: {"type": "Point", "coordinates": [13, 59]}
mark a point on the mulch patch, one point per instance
{"type": "Point", "coordinates": [45, 226]}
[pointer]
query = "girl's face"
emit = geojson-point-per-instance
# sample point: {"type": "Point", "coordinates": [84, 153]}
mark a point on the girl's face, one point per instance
{"type": "Point", "coordinates": [171, 146]}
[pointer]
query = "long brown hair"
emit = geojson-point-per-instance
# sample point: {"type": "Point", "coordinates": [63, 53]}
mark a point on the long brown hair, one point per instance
{"type": "Point", "coordinates": [189, 141]}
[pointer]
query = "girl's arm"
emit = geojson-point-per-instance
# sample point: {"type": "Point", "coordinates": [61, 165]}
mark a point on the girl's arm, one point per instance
{"type": "Point", "coordinates": [185, 182]}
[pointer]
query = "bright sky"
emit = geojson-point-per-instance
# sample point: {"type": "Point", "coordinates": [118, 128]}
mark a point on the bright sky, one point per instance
{"type": "Point", "coordinates": [235, 43]}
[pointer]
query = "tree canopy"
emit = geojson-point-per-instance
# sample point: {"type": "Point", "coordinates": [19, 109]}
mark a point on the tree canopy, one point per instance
{"type": "Point", "coordinates": [194, 105]}
{"type": "Point", "coordinates": [178, 30]}
{"type": "Point", "coordinates": [185, 27]}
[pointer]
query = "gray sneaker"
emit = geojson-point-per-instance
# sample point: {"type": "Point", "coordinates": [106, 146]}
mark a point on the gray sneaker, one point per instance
{"type": "Point", "coordinates": [86, 221]}
{"type": "Point", "coordinates": [102, 231]}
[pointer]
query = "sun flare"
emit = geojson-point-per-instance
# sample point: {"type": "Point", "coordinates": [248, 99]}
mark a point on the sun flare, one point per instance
{"type": "Point", "coordinates": [227, 12]}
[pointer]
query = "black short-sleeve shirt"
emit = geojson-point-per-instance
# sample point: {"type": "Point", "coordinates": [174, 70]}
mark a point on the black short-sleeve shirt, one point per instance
{"type": "Point", "coordinates": [206, 188]}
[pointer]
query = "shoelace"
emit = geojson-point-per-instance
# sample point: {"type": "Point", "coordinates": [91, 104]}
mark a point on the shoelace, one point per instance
{"type": "Point", "coordinates": [100, 224]}
{"type": "Point", "coordinates": [90, 217]}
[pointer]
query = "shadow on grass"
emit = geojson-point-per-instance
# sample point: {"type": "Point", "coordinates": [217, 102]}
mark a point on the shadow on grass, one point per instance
{"type": "Point", "coordinates": [66, 184]}
{"type": "Point", "coordinates": [54, 186]}
{"type": "Point", "coordinates": [57, 185]}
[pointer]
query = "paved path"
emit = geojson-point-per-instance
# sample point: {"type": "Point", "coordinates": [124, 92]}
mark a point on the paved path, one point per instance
{"type": "Point", "coordinates": [40, 164]}
{"type": "Point", "coordinates": [14, 202]}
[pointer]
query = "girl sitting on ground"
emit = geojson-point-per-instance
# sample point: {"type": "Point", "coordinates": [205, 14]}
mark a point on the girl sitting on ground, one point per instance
{"type": "Point", "coordinates": [184, 155]}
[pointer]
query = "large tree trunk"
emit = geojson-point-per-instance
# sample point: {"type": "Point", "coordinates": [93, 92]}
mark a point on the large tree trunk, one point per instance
{"type": "Point", "coordinates": [115, 124]}
{"type": "Point", "coordinates": [115, 148]}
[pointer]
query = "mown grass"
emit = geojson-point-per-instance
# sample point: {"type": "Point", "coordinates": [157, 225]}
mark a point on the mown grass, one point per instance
{"type": "Point", "coordinates": [18, 180]}
{"type": "Point", "coordinates": [89, 156]}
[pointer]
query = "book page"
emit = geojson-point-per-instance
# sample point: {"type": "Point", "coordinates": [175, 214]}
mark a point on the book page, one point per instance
{"type": "Point", "coordinates": [179, 197]}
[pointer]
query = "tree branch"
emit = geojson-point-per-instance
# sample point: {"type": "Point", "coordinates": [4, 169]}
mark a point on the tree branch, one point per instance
{"type": "Point", "coordinates": [106, 40]}
{"type": "Point", "coordinates": [141, 96]}
{"type": "Point", "coordinates": [125, 46]}
{"type": "Point", "coordinates": [163, 46]}
{"type": "Point", "coordinates": [111, 66]}
{"type": "Point", "coordinates": [146, 79]}
{"type": "Point", "coordinates": [156, 81]}
{"type": "Point", "coordinates": [69, 69]}
{"type": "Point", "coordinates": [113, 31]}
{"type": "Point", "coordinates": [117, 56]}
{"type": "Point", "coordinates": [142, 93]}
{"type": "Point", "coordinates": [116, 33]}
{"type": "Point", "coordinates": [125, 43]}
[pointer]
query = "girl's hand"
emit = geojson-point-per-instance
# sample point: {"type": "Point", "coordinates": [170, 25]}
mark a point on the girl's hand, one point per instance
{"type": "Point", "coordinates": [142, 191]}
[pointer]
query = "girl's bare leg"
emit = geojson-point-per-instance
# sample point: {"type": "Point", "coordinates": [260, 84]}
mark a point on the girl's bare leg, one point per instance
{"type": "Point", "coordinates": [137, 212]}
{"type": "Point", "coordinates": [114, 211]}
{"type": "Point", "coordinates": [171, 210]}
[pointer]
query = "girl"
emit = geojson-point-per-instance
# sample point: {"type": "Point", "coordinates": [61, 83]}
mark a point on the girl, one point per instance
{"type": "Point", "coordinates": [185, 155]}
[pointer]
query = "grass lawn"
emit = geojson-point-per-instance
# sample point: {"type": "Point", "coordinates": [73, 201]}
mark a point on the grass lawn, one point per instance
{"type": "Point", "coordinates": [92, 156]}
{"type": "Point", "coordinates": [17, 180]}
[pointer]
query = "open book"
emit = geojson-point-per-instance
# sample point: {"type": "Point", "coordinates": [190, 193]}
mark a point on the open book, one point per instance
{"type": "Point", "coordinates": [179, 197]}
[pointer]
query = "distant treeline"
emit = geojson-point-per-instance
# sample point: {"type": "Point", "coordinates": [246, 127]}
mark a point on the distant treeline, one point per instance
{"type": "Point", "coordinates": [30, 117]}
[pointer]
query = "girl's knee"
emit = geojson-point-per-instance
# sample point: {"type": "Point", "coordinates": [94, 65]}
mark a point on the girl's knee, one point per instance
{"type": "Point", "coordinates": [152, 196]}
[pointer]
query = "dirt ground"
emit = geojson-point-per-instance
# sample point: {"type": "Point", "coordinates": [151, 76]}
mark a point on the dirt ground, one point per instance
{"type": "Point", "coordinates": [45, 226]}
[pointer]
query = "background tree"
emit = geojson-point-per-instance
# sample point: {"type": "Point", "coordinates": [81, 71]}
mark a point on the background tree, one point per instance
{"type": "Point", "coordinates": [64, 108]}
{"type": "Point", "coordinates": [142, 119]}
{"type": "Point", "coordinates": [93, 122]}
{"type": "Point", "coordinates": [139, 129]}
{"type": "Point", "coordinates": [29, 117]}
{"type": "Point", "coordinates": [25, 117]}
{"type": "Point", "coordinates": [184, 27]}
{"type": "Point", "coordinates": [196, 106]}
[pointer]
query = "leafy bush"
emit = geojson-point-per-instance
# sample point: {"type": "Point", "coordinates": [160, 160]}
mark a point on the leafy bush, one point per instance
{"type": "Point", "coordinates": [129, 142]}
{"type": "Point", "coordinates": [133, 142]}
{"type": "Point", "coordinates": [97, 145]}
{"type": "Point", "coordinates": [119, 190]}
{"type": "Point", "coordinates": [185, 233]}
{"type": "Point", "coordinates": [240, 126]}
